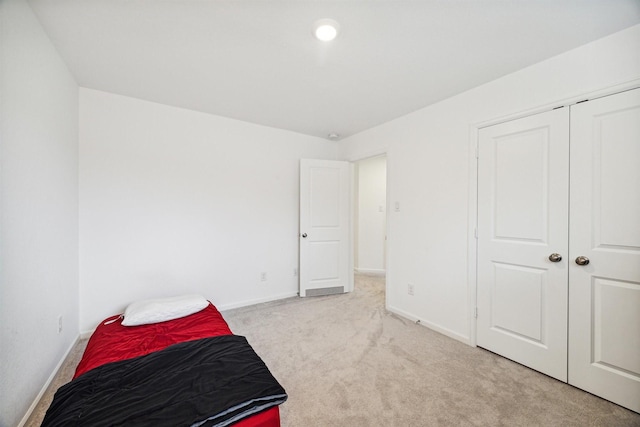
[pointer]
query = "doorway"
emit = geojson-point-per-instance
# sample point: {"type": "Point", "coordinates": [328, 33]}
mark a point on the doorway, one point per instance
{"type": "Point", "coordinates": [370, 217]}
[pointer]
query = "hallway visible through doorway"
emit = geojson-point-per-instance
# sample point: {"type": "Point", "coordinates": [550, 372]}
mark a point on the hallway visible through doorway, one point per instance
{"type": "Point", "coordinates": [370, 216]}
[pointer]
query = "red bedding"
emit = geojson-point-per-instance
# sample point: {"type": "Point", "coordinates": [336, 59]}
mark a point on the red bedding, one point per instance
{"type": "Point", "coordinates": [112, 342]}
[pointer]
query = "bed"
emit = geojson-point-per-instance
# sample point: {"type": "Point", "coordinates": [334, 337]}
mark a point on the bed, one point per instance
{"type": "Point", "coordinates": [189, 370]}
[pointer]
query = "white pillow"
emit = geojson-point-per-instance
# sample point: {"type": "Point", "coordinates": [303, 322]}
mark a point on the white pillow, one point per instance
{"type": "Point", "coordinates": [162, 309]}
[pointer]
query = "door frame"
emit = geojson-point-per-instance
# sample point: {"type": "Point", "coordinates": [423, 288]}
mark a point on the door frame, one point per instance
{"type": "Point", "coordinates": [472, 224]}
{"type": "Point", "coordinates": [353, 160]}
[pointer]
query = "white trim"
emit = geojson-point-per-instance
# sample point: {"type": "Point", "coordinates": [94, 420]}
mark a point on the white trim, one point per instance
{"type": "Point", "coordinates": [352, 227]}
{"type": "Point", "coordinates": [610, 90]}
{"type": "Point", "coordinates": [472, 224]}
{"type": "Point", "coordinates": [369, 155]}
{"type": "Point", "coordinates": [474, 128]}
{"type": "Point", "coordinates": [387, 231]}
{"type": "Point", "coordinates": [87, 334]}
{"type": "Point", "coordinates": [256, 301]}
{"type": "Point", "coordinates": [433, 326]}
{"type": "Point", "coordinates": [26, 417]}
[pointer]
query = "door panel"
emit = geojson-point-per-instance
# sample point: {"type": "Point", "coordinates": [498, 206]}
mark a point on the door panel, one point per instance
{"type": "Point", "coordinates": [523, 184]}
{"type": "Point", "coordinates": [324, 197]}
{"type": "Point", "coordinates": [328, 256]}
{"type": "Point", "coordinates": [518, 301]}
{"type": "Point", "coordinates": [616, 344]}
{"type": "Point", "coordinates": [604, 296]}
{"type": "Point", "coordinates": [324, 227]}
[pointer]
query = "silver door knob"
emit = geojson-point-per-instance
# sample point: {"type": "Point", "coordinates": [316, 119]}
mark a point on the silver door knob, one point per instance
{"type": "Point", "coordinates": [304, 235]}
{"type": "Point", "coordinates": [555, 257]}
{"type": "Point", "coordinates": [582, 260]}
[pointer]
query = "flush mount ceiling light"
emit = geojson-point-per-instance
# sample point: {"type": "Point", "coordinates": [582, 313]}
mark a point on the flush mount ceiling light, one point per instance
{"type": "Point", "coordinates": [326, 29]}
{"type": "Point", "coordinates": [333, 136]}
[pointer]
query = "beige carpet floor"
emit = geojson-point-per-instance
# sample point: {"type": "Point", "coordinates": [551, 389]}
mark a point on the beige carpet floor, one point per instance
{"type": "Point", "coordinates": [345, 361]}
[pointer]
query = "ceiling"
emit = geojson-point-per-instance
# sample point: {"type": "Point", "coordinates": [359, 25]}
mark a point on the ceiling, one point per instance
{"type": "Point", "coordinates": [256, 60]}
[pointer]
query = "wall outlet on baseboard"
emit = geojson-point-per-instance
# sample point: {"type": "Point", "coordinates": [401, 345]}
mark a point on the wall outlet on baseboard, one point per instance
{"type": "Point", "coordinates": [263, 276]}
{"type": "Point", "coordinates": [410, 289]}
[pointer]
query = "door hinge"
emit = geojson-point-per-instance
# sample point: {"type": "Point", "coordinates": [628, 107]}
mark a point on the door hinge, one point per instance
{"type": "Point", "coordinates": [475, 313]}
{"type": "Point", "coordinates": [475, 232]}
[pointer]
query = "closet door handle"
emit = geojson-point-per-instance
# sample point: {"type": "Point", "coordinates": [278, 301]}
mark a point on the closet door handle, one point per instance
{"type": "Point", "coordinates": [555, 257]}
{"type": "Point", "coordinates": [582, 260]}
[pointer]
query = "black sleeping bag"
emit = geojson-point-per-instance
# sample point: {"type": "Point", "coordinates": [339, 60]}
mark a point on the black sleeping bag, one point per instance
{"type": "Point", "coordinates": [207, 382]}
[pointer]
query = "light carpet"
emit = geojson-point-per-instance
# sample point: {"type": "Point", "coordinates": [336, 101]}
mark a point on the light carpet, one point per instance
{"type": "Point", "coordinates": [345, 361]}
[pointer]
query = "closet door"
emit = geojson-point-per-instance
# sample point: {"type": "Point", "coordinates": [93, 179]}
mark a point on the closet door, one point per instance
{"type": "Point", "coordinates": [523, 198]}
{"type": "Point", "coordinates": [604, 295]}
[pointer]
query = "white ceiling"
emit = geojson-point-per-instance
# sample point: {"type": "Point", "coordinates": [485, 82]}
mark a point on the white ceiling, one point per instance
{"type": "Point", "coordinates": [257, 60]}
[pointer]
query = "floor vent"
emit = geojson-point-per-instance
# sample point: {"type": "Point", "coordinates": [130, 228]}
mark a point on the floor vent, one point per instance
{"type": "Point", "coordinates": [325, 291]}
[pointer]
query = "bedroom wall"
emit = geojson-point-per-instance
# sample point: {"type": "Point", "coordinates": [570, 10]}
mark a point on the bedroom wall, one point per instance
{"type": "Point", "coordinates": [38, 212]}
{"type": "Point", "coordinates": [429, 166]}
{"type": "Point", "coordinates": [371, 209]}
{"type": "Point", "coordinates": [174, 201]}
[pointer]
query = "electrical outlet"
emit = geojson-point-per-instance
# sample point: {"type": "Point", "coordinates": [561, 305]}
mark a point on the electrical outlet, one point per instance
{"type": "Point", "coordinates": [263, 276]}
{"type": "Point", "coordinates": [59, 323]}
{"type": "Point", "coordinates": [410, 289]}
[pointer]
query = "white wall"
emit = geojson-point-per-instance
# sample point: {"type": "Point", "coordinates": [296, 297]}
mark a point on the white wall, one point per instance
{"type": "Point", "coordinates": [371, 217]}
{"type": "Point", "coordinates": [39, 209]}
{"type": "Point", "coordinates": [175, 201]}
{"type": "Point", "coordinates": [429, 167]}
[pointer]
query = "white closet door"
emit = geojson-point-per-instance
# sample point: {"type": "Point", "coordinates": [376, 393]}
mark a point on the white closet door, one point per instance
{"type": "Point", "coordinates": [523, 185]}
{"type": "Point", "coordinates": [604, 295]}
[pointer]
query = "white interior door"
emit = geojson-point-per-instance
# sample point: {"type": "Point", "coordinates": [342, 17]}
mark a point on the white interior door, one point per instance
{"type": "Point", "coordinates": [604, 295]}
{"type": "Point", "coordinates": [523, 185]}
{"type": "Point", "coordinates": [325, 227]}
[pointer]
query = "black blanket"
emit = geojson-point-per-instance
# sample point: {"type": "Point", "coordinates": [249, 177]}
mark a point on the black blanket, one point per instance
{"type": "Point", "coordinates": [208, 382]}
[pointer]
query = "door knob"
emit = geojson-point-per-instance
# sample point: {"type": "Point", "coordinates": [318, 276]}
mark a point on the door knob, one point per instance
{"type": "Point", "coordinates": [582, 260]}
{"type": "Point", "coordinates": [304, 235]}
{"type": "Point", "coordinates": [555, 257]}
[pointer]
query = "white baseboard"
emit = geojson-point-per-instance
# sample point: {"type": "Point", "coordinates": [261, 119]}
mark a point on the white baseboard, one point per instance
{"type": "Point", "coordinates": [223, 307]}
{"type": "Point", "coordinates": [371, 271]}
{"type": "Point", "coordinates": [444, 331]}
{"type": "Point", "coordinates": [86, 334]}
{"type": "Point", "coordinates": [47, 384]}
{"type": "Point", "coordinates": [256, 301]}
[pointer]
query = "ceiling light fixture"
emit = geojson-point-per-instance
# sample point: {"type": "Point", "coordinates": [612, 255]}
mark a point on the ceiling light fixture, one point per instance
{"type": "Point", "coordinates": [333, 136]}
{"type": "Point", "coordinates": [326, 29]}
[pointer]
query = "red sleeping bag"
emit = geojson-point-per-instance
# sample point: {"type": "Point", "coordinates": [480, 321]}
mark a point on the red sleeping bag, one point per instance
{"type": "Point", "coordinates": [112, 342]}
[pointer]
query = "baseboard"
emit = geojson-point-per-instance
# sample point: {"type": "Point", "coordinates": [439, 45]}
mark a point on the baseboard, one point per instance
{"type": "Point", "coordinates": [256, 301]}
{"type": "Point", "coordinates": [371, 271]}
{"type": "Point", "coordinates": [47, 384]}
{"type": "Point", "coordinates": [433, 326]}
{"type": "Point", "coordinates": [223, 307]}
{"type": "Point", "coordinates": [87, 334]}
